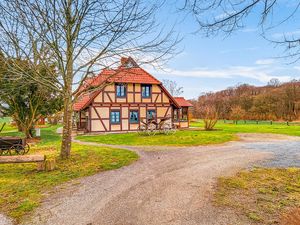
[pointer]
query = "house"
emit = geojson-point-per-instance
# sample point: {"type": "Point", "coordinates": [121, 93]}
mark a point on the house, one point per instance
{"type": "Point", "coordinates": [121, 98]}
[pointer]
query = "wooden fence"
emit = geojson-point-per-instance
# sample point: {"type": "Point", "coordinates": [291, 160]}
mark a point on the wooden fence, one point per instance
{"type": "Point", "coordinates": [262, 122]}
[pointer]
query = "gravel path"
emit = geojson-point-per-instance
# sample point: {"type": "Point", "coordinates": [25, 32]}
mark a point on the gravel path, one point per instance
{"type": "Point", "coordinates": [5, 221]}
{"type": "Point", "coordinates": [163, 187]}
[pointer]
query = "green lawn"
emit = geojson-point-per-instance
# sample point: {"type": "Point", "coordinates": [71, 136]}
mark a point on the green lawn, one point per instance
{"type": "Point", "coordinates": [263, 195]}
{"type": "Point", "coordinates": [254, 128]}
{"type": "Point", "coordinates": [180, 138]}
{"type": "Point", "coordinates": [223, 133]}
{"type": "Point", "coordinates": [21, 186]}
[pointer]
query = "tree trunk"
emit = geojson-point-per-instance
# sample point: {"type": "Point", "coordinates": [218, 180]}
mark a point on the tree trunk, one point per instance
{"type": "Point", "coordinates": [67, 129]}
{"type": "Point", "coordinates": [68, 80]}
{"type": "Point", "coordinates": [28, 132]}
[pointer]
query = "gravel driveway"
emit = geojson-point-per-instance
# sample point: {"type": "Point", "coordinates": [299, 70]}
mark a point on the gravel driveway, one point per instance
{"type": "Point", "coordinates": [162, 187]}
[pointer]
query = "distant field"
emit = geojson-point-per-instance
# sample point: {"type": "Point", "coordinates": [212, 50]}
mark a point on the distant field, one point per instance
{"type": "Point", "coordinates": [252, 127]}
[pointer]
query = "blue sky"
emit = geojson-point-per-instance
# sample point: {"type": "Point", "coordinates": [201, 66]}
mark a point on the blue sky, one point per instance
{"type": "Point", "coordinates": [215, 63]}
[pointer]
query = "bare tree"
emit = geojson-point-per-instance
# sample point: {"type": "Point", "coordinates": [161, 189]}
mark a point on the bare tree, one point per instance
{"type": "Point", "coordinates": [210, 117]}
{"type": "Point", "coordinates": [172, 87]}
{"type": "Point", "coordinates": [80, 37]}
{"type": "Point", "coordinates": [209, 110]}
{"type": "Point", "coordinates": [227, 16]}
{"type": "Point", "coordinates": [274, 82]}
{"type": "Point", "coordinates": [237, 113]}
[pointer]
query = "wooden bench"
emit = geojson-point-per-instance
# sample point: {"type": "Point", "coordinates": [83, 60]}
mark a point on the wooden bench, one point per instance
{"type": "Point", "coordinates": [42, 162]}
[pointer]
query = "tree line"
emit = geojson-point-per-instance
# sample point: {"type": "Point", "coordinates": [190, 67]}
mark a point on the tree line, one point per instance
{"type": "Point", "coordinates": [275, 101]}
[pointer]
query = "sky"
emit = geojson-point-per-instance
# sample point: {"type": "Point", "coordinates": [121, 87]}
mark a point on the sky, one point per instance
{"type": "Point", "coordinates": [214, 63]}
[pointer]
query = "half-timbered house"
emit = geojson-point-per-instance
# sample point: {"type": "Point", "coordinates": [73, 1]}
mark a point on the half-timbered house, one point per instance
{"type": "Point", "coordinates": [121, 98]}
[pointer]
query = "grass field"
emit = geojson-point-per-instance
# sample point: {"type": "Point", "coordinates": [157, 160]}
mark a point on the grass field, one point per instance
{"type": "Point", "coordinates": [21, 186]}
{"type": "Point", "coordinates": [223, 133]}
{"type": "Point", "coordinates": [263, 195]}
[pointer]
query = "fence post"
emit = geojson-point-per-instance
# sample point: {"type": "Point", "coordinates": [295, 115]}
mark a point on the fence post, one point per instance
{"type": "Point", "coordinates": [256, 121]}
{"type": "Point", "coordinates": [287, 123]}
{"type": "Point", "coordinates": [271, 122]}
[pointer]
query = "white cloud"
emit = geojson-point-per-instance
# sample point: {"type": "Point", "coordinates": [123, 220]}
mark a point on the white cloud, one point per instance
{"type": "Point", "coordinates": [265, 61]}
{"type": "Point", "coordinates": [289, 34]}
{"type": "Point", "coordinates": [259, 73]}
{"type": "Point", "coordinates": [249, 30]}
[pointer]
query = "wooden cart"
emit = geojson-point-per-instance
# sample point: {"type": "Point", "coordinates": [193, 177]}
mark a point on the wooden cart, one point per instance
{"type": "Point", "coordinates": [151, 127]}
{"type": "Point", "coordinates": [17, 145]}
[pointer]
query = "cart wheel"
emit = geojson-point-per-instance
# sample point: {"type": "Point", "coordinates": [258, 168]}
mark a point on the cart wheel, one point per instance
{"type": "Point", "coordinates": [151, 129]}
{"type": "Point", "coordinates": [26, 148]}
{"type": "Point", "coordinates": [165, 129]}
{"type": "Point", "coordinates": [19, 149]}
{"type": "Point", "coordinates": [141, 129]}
{"type": "Point", "coordinates": [5, 152]}
{"type": "Point", "coordinates": [169, 129]}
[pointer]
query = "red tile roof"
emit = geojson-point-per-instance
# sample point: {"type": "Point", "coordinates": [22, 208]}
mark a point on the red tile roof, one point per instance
{"type": "Point", "coordinates": [182, 102]}
{"type": "Point", "coordinates": [125, 75]}
{"type": "Point", "coordinates": [84, 100]}
{"type": "Point", "coordinates": [122, 74]}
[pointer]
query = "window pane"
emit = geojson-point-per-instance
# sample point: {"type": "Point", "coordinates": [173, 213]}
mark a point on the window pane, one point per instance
{"type": "Point", "coordinates": [115, 117]}
{"type": "Point", "coordinates": [151, 114]}
{"type": "Point", "coordinates": [146, 89]}
{"type": "Point", "coordinates": [143, 91]}
{"type": "Point", "coordinates": [134, 116]}
{"type": "Point", "coordinates": [121, 90]}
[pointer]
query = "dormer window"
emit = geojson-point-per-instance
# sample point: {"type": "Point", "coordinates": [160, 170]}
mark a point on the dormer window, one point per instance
{"type": "Point", "coordinates": [121, 90]}
{"type": "Point", "coordinates": [146, 90]}
{"type": "Point", "coordinates": [129, 65]}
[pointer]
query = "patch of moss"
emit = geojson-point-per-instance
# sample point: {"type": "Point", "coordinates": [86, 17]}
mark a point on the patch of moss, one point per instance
{"type": "Point", "coordinates": [261, 194]}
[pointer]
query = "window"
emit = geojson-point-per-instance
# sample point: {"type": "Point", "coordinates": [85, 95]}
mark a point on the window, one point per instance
{"type": "Point", "coordinates": [121, 90]}
{"type": "Point", "coordinates": [129, 65]}
{"type": "Point", "coordinates": [134, 116]}
{"type": "Point", "coordinates": [184, 114]}
{"type": "Point", "coordinates": [115, 117]}
{"type": "Point", "coordinates": [151, 114]}
{"type": "Point", "coordinates": [146, 90]}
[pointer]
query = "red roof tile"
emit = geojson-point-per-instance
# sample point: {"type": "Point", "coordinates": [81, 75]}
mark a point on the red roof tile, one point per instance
{"type": "Point", "coordinates": [182, 102]}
